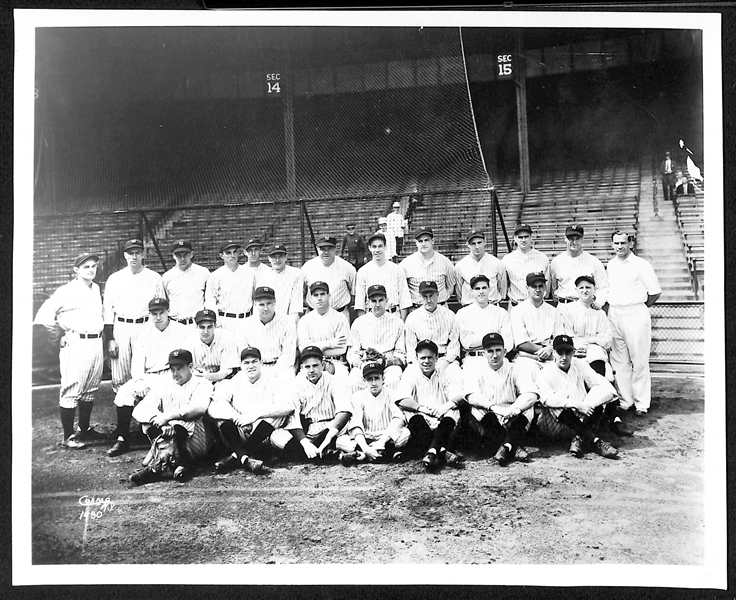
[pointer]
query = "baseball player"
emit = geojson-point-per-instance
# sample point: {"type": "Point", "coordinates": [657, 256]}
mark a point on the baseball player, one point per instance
{"type": "Point", "coordinates": [272, 333]}
{"type": "Point", "coordinates": [381, 331]}
{"type": "Point", "coordinates": [430, 399]}
{"type": "Point", "coordinates": [479, 262]}
{"type": "Point", "coordinates": [149, 365]}
{"type": "Point", "coordinates": [390, 241]}
{"type": "Point", "coordinates": [230, 288]}
{"type": "Point", "coordinates": [427, 265]}
{"type": "Point", "coordinates": [381, 271]}
{"type": "Point", "coordinates": [534, 324]}
{"type": "Point", "coordinates": [501, 401]}
{"type": "Point", "coordinates": [478, 317]}
{"type": "Point", "coordinates": [523, 260]}
{"type": "Point", "coordinates": [174, 409]}
{"type": "Point", "coordinates": [566, 267]}
{"type": "Point", "coordinates": [562, 390]}
{"type": "Point", "coordinates": [436, 323]}
{"type": "Point", "coordinates": [125, 305]}
{"type": "Point", "coordinates": [339, 274]}
{"type": "Point", "coordinates": [325, 328]}
{"type": "Point", "coordinates": [214, 350]}
{"type": "Point", "coordinates": [353, 248]}
{"type": "Point", "coordinates": [247, 410]}
{"type": "Point", "coordinates": [634, 289]}
{"type": "Point", "coordinates": [185, 284]}
{"type": "Point", "coordinates": [322, 410]}
{"type": "Point", "coordinates": [395, 226]}
{"type": "Point", "coordinates": [287, 282]}
{"type": "Point", "coordinates": [377, 429]}
{"type": "Point", "coordinates": [76, 309]}
{"type": "Point", "coordinates": [253, 249]}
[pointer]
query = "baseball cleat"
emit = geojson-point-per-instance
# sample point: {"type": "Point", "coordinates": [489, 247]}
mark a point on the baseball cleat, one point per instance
{"type": "Point", "coordinates": [521, 454]}
{"type": "Point", "coordinates": [330, 454]}
{"type": "Point", "coordinates": [605, 449]}
{"type": "Point", "coordinates": [620, 428]}
{"type": "Point", "coordinates": [641, 412]}
{"type": "Point", "coordinates": [430, 461]}
{"type": "Point", "coordinates": [398, 457]}
{"type": "Point", "coordinates": [503, 455]}
{"type": "Point", "coordinates": [121, 446]}
{"type": "Point", "coordinates": [576, 447]}
{"type": "Point", "coordinates": [227, 464]}
{"type": "Point", "coordinates": [255, 466]}
{"type": "Point", "coordinates": [452, 460]}
{"type": "Point", "coordinates": [348, 458]}
{"type": "Point", "coordinates": [90, 435]}
{"type": "Point", "coordinates": [73, 443]}
{"type": "Point", "coordinates": [142, 476]}
{"type": "Point", "coordinates": [180, 473]}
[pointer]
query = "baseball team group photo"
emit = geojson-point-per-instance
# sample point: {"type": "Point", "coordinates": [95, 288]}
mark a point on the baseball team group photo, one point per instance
{"type": "Point", "coordinates": [369, 295]}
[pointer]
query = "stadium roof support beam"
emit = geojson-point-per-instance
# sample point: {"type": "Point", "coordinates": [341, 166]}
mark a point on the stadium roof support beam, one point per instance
{"type": "Point", "coordinates": [522, 125]}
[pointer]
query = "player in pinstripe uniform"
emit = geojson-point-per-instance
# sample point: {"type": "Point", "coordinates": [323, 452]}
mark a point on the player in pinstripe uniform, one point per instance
{"type": "Point", "coordinates": [125, 304]}
{"type": "Point", "coordinates": [149, 365]}
{"type": "Point", "coordinates": [377, 427]}
{"type": "Point", "coordinates": [381, 331]}
{"type": "Point", "coordinates": [479, 262]}
{"type": "Point", "coordinates": [338, 273]}
{"type": "Point", "coordinates": [174, 408]}
{"type": "Point", "coordinates": [247, 409]}
{"type": "Point", "coordinates": [272, 333]}
{"type": "Point", "coordinates": [325, 328]}
{"type": "Point", "coordinates": [479, 318]}
{"type": "Point", "coordinates": [381, 271]}
{"type": "Point", "coordinates": [287, 282]}
{"type": "Point", "coordinates": [230, 289]}
{"type": "Point", "coordinates": [185, 284]}
{"type": "Point", "coordinates": [501, 401]}
{"type": "Point", "coordinates": [430, 399]}
{"type": "Point", "coordinates": [322, 410]}
{"type": "Point", "coordinates": [566, 267]}
{"type": "Point", "coordinates": [436, 323]}
{"type": "Point", "coordinates": [76, 309]}
{"type": "Point", "coordinates": [562, 390]}
{"type": "Point", "coordinates": [214, 350]}
{"type": "Point", "coordinates": [427, 265]}
{"type": "Point", "coordinates": [523, 260]}
{"type": "Point", "coordinates": [253, 249]}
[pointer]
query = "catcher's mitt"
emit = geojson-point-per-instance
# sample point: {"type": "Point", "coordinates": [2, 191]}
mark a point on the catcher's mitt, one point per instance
{"type": "Point", "coordinates": [165, 454]}
{"type": "Point", "coordinates": [373, 355]}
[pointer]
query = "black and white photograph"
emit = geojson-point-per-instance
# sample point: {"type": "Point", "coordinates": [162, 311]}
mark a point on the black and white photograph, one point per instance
{"type": "Point", "coordinates": [372, 289]}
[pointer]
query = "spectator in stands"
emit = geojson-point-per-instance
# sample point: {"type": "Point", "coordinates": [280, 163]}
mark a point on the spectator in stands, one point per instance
{"type": "Point", "coordinates": [390, 241]}
{"type": "Point", "coordinates": [352, 247]}
{"type": "Point", "coordinates": [569, 265]}
{"type": "Point", "coordinates": [683, 185]}
{"type": "Point", "coordinates": [523, 260]}
{"type": "Point", "coordinates": [668, 177]}
{"type": "Point", "coordinates": [253, 249]}
{"type": "Point", "coordinates": [396, 224]}
{"type": "Point", "coordinates": [479, 262]}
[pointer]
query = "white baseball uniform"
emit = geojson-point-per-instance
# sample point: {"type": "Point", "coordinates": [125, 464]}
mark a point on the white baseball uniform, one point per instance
{"type": "Point", "coordinates": [314, 328]}
{"type": "Point", "coordinates": [431, 392]}
{"type": "Point", "coordinates": [220, 353]}
{"type": "Point", "coordinates": [533, 324]}
{"type": "Point", "coordinates": [230, 295]}
{"type": "Point", "coordinates": [318, 402]}
{"type": "Point", "coordinates": [288, 286]}
{"type": "Point", "coordinates": [518, 265]}
{"type": "Point", "coordinates": [587, 327]}
{"type": "Point", "coordinates": [565, 269]}
{"type": "Point", "coordinates": [475, 322]}
{"type": "Point", "coordinates": [339, 276]}
{"type": "Point", "coordinates": [389, 275]}
{"type": "Point", "coordinates": [438, 269]}
{"type": "Point", "coordinates": [441, 327]}
{"type": "Point", "coordinates": [185, 291]}
{"type": "Point", "coordinates": [276, 340]}
{"type": "Point", "coordinates": [488, 265]}
{"type": "Point", "coordinates": [385, 334]}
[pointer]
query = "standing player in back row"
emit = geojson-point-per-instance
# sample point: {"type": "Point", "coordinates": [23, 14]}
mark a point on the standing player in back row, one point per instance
{"type": "Point", "coordinates": [427, 265]}
{"type": "Point", "coordinates": [230, 288]}
{"type": "Point", "coordinates": [287, 282]}
{"type": "Point", "coordinates": [568, 266]}
{"type": "Point", "coordinates": [185, 284]}
{"type": "Point", "coordinates": [253, 248]}
{"type": "Point", "coordinates": [127, 293]}
{"type": "Point", "coordinates": [479, 262]}
{"type": "Point", "coordinates": [338, 273]}
{"type": "Point", "coordinates": [522, 261]}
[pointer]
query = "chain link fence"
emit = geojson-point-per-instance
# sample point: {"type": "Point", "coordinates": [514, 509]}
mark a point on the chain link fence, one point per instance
{"type": "Point", "coordinates": [678, 333]}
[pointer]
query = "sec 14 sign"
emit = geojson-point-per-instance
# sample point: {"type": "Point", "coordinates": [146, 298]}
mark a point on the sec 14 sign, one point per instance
{"type": "Point", "coordinates": [273, 81]}
{"type": "Point", "coordinates": [504, 65]}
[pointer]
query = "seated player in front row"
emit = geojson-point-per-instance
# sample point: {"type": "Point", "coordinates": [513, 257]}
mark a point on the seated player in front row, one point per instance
{"type": "Point", "coordinates": [247, 410]}
{"type": "Point", "coordinates": [430, 398]}
{"type": "Point", "coordinates": [501, 401]}
{"type": "Point", "coordinates": [174, 409]}
{"type": "Point", "coordinates": [377, 427]}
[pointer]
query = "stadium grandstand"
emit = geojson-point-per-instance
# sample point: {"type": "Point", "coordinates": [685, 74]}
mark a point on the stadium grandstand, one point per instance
{"type": "Point", "coordinates": [285, 134]}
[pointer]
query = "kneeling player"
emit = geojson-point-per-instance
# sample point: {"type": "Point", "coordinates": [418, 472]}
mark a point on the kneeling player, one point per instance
{"type": "Point", "coordinates": [247, 411]}
{"type": "Point", "coordinates": [174, 409]}
{"type": "Point", "coordinates": [432, 396]}
{"type": "Point", "coordinates": [562, 390]}
{"type": "Point", "coordinates": [501, 401]}
{"type": "Point", "coordinates": [377, 426]}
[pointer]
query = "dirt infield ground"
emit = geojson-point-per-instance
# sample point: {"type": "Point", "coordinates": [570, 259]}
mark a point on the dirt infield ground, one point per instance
{"type": "Point", "coordinates": [554, 509]}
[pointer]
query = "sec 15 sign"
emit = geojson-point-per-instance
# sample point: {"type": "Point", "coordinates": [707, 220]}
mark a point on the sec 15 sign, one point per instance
{"type": "Point", "coordinates": [273, 81]}
{"type": "Point", "coordinates": [504, 65]}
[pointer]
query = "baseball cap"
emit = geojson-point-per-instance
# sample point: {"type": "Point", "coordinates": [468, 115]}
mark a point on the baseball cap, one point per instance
{"type": "Point", "coordinates": [382, 220]}
{"type": "Point", "coordinates": [205, 315]}
{"type": "Point", "coordinates": [563, 342]}
{"type": "Point", "coordinates": [427, 345]}
{"type": "Point", "coordinates": [475, 234]}
{"type": "Point", "coordinates": [277, 248]}
{"type": "Point", "coordinates": [427, 286]}
{"type": "Point", "coordinates": [532, 278]}
{"type": "Point", "coordinates": [326, 241]}
{"type": "Point", "coordinates": [492, 339]}
{"type": "Point", "coordinates": [84, 257]}
{"type": "Point", "coordinates": [475, 279]}
{"type": "Point", "coordinates": [574, 230]}
{"type": "Point", "coordinates": [319, 285]}
{"type": "Point", "coordinates": [522, 227]}
{"type": "Point", "coordinates": [396, 204]}
{"type": "Point", "coordinates": [372, 368]}
{"type": "Point", "coordinates": [250, 351]}
{"type": "Point", "coordinates": [424, 231]}
{"type": "Point", "coordinates": [588, 278]}
{"type": "Point", "coordinates": [158, 303]}
{"type": "Point", "coordinates": [264, 292]}
{"type": "Point", "coordinates": [310, 352]}
{"type": "Point", "coordinates": [134, 243]}
{"type": "Point", "coordinates": [229, 244]}
{"type": "Point", "coordinates": [181, 245]}
{"type": "Point", "coordinates": [180, 357]}
{"type": "Point", "coordinates": [376, 290]}
{"type": "Point", "coordinates": [253, 242]}
{"type": "Point", "coordinates": [377, 236]}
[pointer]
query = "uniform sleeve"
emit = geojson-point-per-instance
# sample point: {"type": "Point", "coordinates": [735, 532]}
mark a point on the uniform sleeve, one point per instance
{"type": "Point", "coordinates": [522, 382]}
{"type": "Point", "coordinates": [507, 332]}
{"type": "Point", "coordinates": [593, 379]}
{"type": "Point", "coordinates": [356, 420]}
{"type": "Point", "coordinates": [450, 274]}
{"type": "Point", "coordinates": [224, 391]}
{"type": "Point", "coordinates": [400, 343]}
{"type": "Point", "coordinates": [405, 387]}
{"type": "Point", "coordinates": [403, 287]}
{"type": "Point", "coordinates": [108, 304]}
{"type": "Point", "coordinates": [350, 277]}
{"type": "Point", "coordinates": [518, 328]}
{"type": "Point", "coordinates": [138, 356]}
{"type": "Point", "coordinates": [303, 332]}
{"type": "Point", "coordinates": [453, 341]}
{"type": "Point", "coordinates": [410, 339]}
{"type": "Point", "coordinates": [649, 279]}
{"type": "Point", "coordinates": [201, 396]}
{"type": "Point", "coordinates": [230, 358]}
{"type": "Point", "coordinates": [212, 292]}
{"type": "Point", "coordinates": [601, 283]}
{"type": "Point", "coordinates": [343, 329]}
{"type": "Point", "coordinates": [603, 333]}
{"type": "Point", "coordinates": [296, 304]}
{"type": "Point", "coordinates": [565, 320]}
{"type": "Point", "coordinates": [553, 274]}
{"type": "Point", "coordinates": [46, 315]}
{"type": "Point", "coordinates": [471, 381]}
{"type": "Point", "coordinates": [341, 396]}
{"type": "Point", "coordinates": [502, 279]}
{"type": "Point", "coordinates": [360, 290]}
{"type": "Point", "coordinates": [288, 345]}
{"type": "Point", "coordinates": [150, 406]}
{"type": "Point", "coordinates": [159, 291]}
{"type": "Point", "coordinates": [546, 390]}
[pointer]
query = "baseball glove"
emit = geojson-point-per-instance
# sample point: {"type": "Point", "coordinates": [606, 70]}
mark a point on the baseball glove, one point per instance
{"type": "Point", "coordinates": [373, 355]}
{"type": "Point", "coordinates": [165, 454]}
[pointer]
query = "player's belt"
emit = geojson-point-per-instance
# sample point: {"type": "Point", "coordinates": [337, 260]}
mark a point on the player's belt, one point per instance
{"type": "Point", "coordinates": [566, 300]}
{"type": "Point", "coordinates": [188, 321]}
{"type": "Point", "coordinates": [475, 353]}
{"type": "Point", "coordinates": [392, 309]}
{"type": "Point", "coordinates": [124, 320]}
{"type": "Point", "coordinates": [268, 363]}
{"type": "Point", "coordinates": [222, 313]}
{"type": "Point", "coordinates": [89, 336]}
{"type": "Point", "coordinates": [339, 358]}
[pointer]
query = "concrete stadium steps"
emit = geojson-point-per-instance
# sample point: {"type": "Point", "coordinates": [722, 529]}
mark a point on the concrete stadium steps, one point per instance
{"type": "Point", "coordinates": [690, 212]}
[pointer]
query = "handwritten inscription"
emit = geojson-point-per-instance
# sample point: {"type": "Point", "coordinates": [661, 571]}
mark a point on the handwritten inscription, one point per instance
{"type": "Point", "coordinates": [95, 507]}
